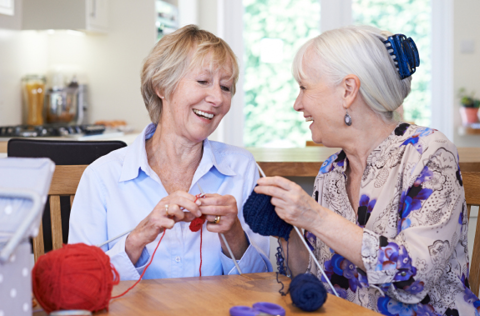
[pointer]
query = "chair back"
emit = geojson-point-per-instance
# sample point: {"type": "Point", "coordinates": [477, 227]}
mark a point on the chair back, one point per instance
{"type": "Point", "coordinates": [71, 158]}
{"type": "Point", "coordinates": [471, 184]}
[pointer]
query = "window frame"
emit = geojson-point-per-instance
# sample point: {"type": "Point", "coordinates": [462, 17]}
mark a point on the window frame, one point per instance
{"type": "Point", "coordinates": [334, 14]}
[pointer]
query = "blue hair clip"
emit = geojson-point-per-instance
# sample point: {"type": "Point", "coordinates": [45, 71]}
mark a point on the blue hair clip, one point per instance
{"type": "Point", "coordinates": [404, 53]}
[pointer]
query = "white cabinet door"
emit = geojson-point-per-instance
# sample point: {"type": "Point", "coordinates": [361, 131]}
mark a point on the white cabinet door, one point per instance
{"type": "Point", "coordinates": [83, 15]}
{"type": "Point", "coordinates": [97, 15]}
{"type": "Point", "coordinates": [7, 7]}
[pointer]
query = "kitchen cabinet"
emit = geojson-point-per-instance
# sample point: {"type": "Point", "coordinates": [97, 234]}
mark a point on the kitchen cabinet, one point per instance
{"type": "Point", "coordinates": [7, 7]}
{"type": "Point", "coordinates": [82, 15]}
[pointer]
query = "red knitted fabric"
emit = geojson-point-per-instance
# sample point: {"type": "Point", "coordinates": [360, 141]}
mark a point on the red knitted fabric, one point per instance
{"type": "Point", "coordinates": [76, 276]}
{"type": "Point", "coordinates": [197, 223]}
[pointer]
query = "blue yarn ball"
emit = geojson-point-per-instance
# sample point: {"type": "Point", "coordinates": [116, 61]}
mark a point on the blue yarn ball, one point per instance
{"type": "Point", "coordinates": [307, 292]}
{"type": "Point", "coordinates": [260, 215]}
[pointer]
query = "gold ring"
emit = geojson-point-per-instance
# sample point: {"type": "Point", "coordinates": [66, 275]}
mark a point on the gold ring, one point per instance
{"type": "Point", "coordinates": [217, 219]}
{"type": "Point", "coordinates": [166, 209]}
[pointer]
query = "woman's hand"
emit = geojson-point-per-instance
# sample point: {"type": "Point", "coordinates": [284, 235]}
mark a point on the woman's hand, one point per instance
{"type": "Point", "coordinates": [222, 216]}
{"type": "Point", "coordinates": [291, 202]}
{"type": "Point", "coordinates": [158, 220]}
{"type": "Point", "coordinates": [220, 207]}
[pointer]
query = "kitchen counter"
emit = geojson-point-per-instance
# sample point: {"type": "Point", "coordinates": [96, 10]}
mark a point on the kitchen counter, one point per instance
{"type": "Point", "coordinates": [290, 162]}
{"type": "Point", "coordinates": [305, 162]}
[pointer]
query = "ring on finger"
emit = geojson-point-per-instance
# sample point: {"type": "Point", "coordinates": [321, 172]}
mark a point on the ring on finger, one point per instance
{"type": "Point", "coordinates": [166, 210]}
{"type": "Point", "coordinates": [217, 219]}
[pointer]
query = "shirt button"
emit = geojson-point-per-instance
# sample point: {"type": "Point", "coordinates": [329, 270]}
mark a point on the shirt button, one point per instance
{"type": "Point", "coordinates": [178, 259]}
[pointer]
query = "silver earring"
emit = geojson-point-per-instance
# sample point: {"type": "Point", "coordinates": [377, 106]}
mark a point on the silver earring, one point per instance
{"type": "Point", "coordinates": [347, 119]}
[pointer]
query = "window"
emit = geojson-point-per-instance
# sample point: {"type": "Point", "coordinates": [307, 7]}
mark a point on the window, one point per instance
{"type": "Point", "coordinates": [412, 18]}
{"type": "Point", "coordinates": [282, 26]}
{"type": "Point", "coordinates": [273, 32]}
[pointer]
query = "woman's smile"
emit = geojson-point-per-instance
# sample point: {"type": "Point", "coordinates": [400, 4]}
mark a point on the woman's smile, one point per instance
{"type": "Point", "coordinates": [205, 115]}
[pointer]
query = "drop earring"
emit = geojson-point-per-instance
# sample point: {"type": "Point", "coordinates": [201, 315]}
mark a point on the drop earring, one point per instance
{"type": "Point", "coordinates": [347, 119]}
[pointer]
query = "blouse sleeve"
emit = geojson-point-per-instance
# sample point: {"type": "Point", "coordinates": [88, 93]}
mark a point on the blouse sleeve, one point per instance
{"type": "Point", "coordinates": [88, 224]}
{"type": "Point", "coordinates": [430, 219]}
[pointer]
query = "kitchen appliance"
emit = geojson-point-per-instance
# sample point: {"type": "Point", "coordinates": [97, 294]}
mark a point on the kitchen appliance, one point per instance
{"type": "Point", "coordinates": [67, 104]}
{"type": "Point", "coordinates": [51, 130]}
{"type": "Point", "coordinates": [33, 88]}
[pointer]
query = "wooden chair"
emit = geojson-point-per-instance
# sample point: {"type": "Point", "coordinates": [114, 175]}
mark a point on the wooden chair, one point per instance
{"type": "Point", "coordinates": [471, 183]}
{"type": "Point", "coordinates": [64, 183]}
{"type": "Point", "coordinates": [71, 159]}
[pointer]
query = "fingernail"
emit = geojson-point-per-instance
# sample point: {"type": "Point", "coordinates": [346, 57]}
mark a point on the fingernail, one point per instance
{"type": "Point", "coordinates": [198, 202]}
{"type": "Point", "coordinates": [199, 214]}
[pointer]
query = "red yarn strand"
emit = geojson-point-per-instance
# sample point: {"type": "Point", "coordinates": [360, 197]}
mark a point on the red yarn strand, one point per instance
{"type": "Point", "coordinates": [200, 268]}
{"type": "Point", "coordinates": [144, 270]}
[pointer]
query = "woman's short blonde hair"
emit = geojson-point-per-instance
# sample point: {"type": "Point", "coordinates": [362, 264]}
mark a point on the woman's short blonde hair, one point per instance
{"type": "Point", "coordinates": [358, 50]}
{"type": "Point", "coordinates": [177, 53]}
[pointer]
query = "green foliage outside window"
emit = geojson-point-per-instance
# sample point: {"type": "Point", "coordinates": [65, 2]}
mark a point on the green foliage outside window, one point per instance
{"type": "Point", "coordinates": [412, 18]}
{"type": "Point", "coordinates": [270, 89]}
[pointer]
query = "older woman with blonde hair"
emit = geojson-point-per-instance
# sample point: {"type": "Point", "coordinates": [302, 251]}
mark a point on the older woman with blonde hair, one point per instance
{"type": "Point", "coordinates": [387, 220]}
{"type": "Point", "coordinates": [153, 185]}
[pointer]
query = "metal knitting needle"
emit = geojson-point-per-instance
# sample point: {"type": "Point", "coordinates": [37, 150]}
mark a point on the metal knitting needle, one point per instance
{"type": "Point", "coordinates": [114, 238]}
{"type": "Point", "coordinates": [308, 248]}
{"type": "Point", "coordinates": [315, 259]}
{"type": "Point", "coordinates": [225, 241]}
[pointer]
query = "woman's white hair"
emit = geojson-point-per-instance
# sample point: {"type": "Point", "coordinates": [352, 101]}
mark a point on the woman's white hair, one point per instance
{"type": "Point", "coordinates": [358, 50]}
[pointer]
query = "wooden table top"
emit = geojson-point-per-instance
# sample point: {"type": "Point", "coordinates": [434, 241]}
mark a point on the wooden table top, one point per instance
{"type": "Point", "coordinates": [214, 295]}
{"type": "Point", "coordinates": [305, 162]}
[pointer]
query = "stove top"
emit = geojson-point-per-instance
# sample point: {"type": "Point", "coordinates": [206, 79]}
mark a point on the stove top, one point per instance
{"type": "Point", "coordinates": [50, 130]}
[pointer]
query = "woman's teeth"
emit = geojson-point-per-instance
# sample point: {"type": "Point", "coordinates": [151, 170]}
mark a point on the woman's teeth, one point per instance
{"type": "Point", "coordinates": [309, 119]}
{"type": "Point", "coordinates": [203, 114]}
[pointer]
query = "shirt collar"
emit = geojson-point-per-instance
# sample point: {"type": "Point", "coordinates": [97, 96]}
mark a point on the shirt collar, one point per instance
{"type": "Point", "coordinates": [136, 158]}
{"type": "Point", "coordinates": [214, 157]}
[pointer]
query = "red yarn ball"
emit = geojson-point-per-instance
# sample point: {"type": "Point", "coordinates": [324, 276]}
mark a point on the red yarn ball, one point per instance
{"type": "Point", "coordinates": [76, 276]}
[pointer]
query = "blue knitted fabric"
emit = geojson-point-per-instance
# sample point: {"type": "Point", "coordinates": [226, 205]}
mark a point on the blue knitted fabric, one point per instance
{"type": "Point", "coordinates": [259, 214]}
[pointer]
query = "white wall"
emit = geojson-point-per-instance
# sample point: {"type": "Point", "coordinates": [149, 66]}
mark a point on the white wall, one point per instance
{"type": "Point", "coordinates": [466, 66]}
{"type": "Point", "coordinates": [20, 53]}
{"type": "Point", "coordinates": [110, 63]}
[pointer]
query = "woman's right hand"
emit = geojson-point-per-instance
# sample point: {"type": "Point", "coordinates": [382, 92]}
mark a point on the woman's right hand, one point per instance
{"type": "Point", "coordinates": [158, 220]}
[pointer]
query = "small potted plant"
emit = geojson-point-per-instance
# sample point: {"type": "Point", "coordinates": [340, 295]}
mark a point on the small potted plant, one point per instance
{"type": "Point", "coordinates": [469, 108]}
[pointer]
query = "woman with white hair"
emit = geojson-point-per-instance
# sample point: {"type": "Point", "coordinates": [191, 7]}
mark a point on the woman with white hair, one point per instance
{"type": "Point", "coordinates": [154, 185]}
{"type": "Point", "coordinates": [387, 220]}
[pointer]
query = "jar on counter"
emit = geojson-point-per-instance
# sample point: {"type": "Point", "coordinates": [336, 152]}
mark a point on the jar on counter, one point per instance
{"type": "Point", "coordinates": [33, 88]}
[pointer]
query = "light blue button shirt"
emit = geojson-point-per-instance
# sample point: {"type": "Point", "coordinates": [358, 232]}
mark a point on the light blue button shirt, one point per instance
{"type": "Point", "coordinates": [120, 189]}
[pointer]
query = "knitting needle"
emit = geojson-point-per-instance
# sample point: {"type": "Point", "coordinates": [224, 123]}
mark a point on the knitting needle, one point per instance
{"type": "Point", "coordinates": [308, 248]}
{"type": "Point", "coordinates": [115, 238]}
{"type": "Point", "coordinates": [225, 241]}
{"type": "Point", "coordinates": [315, 259]}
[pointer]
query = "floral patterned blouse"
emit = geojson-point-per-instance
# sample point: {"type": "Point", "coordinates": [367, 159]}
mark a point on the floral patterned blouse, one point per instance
{"type": "Point", "coordinates": [413, 213]}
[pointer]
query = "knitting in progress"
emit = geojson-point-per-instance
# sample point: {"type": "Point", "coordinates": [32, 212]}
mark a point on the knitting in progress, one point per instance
{"type": "Point", "coordinates": [306, 290]}
{"type": "Point", "coordinates": [78, 276]}
{"type": "Point", "coordinates": [260, 215]}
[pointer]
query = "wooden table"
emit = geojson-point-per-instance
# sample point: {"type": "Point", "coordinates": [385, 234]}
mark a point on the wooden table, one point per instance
{"type": "Point", "coordinates": [214, 295]}
{"type": "Point", "coordinates": [305, 162]}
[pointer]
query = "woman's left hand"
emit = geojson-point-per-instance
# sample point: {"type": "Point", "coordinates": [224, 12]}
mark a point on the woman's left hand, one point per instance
{"type": "Point", "coordinates": [221, 209]}
{"type": "Point", "coordinates": [291, 202]}
{"type": "Point", "coordinates": [222, 215]}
